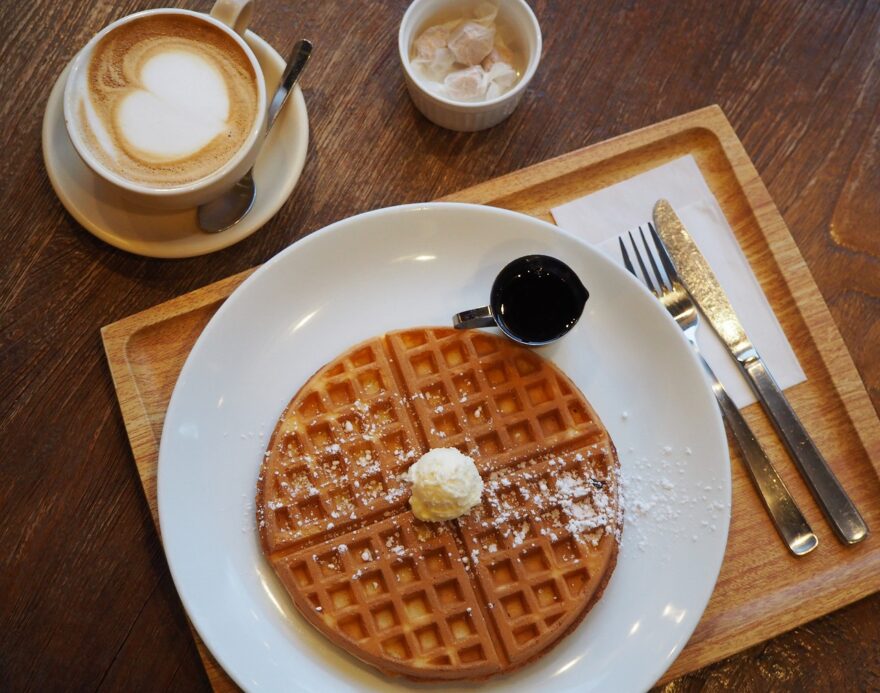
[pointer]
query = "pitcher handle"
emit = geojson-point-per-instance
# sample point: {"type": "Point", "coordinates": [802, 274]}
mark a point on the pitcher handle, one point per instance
{"type": "Point", "coordinates": [476, 317]}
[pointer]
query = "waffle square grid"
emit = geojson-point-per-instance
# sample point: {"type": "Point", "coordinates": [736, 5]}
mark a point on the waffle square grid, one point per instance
{"type": "Point", "coordinates": [470, 598]}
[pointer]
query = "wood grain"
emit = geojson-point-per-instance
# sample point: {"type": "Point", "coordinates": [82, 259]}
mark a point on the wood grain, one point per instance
{"type": "Point", "coordinates": [84, 582]}
{"type": "Point", "coordinates": [759, 591]}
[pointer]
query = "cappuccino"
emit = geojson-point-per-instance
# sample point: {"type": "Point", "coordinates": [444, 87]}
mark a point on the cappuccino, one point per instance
{"type": "Point", "coordinates": [166, 100]}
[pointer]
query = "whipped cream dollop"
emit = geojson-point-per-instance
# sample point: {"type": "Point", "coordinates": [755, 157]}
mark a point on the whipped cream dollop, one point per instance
{"type": "Point", "coordinates": [445, 485]}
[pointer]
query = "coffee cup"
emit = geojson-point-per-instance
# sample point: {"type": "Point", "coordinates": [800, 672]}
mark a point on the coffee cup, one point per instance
{"type": "Point", "coordinates": [169, 105]}
{"type": "Point", "coordinates": [535, 300]}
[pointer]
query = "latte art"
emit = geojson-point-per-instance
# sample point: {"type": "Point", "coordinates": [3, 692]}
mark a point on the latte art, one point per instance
{"type": "Point", "coordinates": [167, 100]}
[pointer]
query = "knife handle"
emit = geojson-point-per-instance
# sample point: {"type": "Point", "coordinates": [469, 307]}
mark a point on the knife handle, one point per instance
{"type": "Point", "coordinates": [826, 489]}
{"type": "Point", "coordinates": [789, 521]}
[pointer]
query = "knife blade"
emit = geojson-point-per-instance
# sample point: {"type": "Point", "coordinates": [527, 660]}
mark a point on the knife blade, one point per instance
{"type": "Point", "coordinates": [699, 279]}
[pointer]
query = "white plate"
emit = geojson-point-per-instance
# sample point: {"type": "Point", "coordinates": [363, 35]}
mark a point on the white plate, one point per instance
{"type": "Point", "coordinates": [103, 212]}
{"type": "Point", "coordinates": [417, 265]}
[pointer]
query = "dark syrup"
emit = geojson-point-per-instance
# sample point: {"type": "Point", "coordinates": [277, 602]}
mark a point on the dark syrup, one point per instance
{"type": "Point", "coordinates": [537, 302]}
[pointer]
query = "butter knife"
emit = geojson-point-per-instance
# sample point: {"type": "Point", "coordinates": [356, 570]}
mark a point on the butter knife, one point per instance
{"type": "Point", "coordinates": [710, 297]}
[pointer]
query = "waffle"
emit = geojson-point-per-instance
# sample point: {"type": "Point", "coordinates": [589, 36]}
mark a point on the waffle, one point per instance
{"type": "Point", "coordinates": [465, 599]}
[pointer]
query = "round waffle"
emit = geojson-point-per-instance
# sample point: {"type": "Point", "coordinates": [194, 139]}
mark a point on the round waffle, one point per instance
{"type": "Point", "coordinates": [464, 599]}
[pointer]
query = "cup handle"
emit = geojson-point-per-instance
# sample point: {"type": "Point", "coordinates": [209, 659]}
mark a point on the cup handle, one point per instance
{"type": "Point", "coordinates": [236, 14]}
{"type": "Point", "coordinates": [476, 317]}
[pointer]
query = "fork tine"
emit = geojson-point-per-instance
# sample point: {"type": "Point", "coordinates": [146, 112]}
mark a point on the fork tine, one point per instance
{"type": "Point", "coordinates": [642, 264]}
{"type": "Point", "coordinates": [665, 260]}
{"type": "Point", "coordinates": [660, 279]}
{"type": "Point", "coordinates": [626, 261]}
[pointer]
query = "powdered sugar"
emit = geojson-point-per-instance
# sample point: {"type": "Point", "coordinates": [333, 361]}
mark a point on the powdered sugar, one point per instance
{"type": "Point", "coordinates": [554, 497]}
{"type": "Point", "coordinates": [661, 497]}
{"type": "Point", "coordinates": [351, 465]}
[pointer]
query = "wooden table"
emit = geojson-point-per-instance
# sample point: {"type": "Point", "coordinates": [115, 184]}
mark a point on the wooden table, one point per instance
{"type": "Point", "coordinates": [87, 600]}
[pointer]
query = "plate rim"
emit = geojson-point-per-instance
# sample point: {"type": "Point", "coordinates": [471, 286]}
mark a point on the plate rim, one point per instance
{"type": "Point", "coordinates": [720, 431]}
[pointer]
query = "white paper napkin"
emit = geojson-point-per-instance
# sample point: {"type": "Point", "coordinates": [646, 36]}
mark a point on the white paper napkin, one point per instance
{"type": "Point", "coordinates": [602, 216]}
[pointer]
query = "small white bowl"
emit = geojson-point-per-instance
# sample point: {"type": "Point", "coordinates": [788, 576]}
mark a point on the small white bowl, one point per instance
{"type": "Point", "coordinates": [462, 115]}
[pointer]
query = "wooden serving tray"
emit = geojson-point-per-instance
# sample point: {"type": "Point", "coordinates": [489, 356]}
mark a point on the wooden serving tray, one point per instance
{"type": "Point", "coordinates": [762, 589]}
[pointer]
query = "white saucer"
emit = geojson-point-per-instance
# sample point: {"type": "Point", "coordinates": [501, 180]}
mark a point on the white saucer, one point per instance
{"type": "Point", "coordinates": [104, 213]}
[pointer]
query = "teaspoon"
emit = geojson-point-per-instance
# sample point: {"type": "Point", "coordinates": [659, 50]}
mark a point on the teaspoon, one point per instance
{"type": "Point", "coordinates": [221, 213]}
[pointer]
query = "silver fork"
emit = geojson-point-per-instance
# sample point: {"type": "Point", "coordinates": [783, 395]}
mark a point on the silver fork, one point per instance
{"type": "Point", "coordinates": [667, 287]}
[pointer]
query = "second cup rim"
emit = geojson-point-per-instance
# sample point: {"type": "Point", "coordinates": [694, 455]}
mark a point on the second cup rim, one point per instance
{"type": "Point", "coordinates": [531, 68]}
{"type": "Point", "coordinates": [99, 169]}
